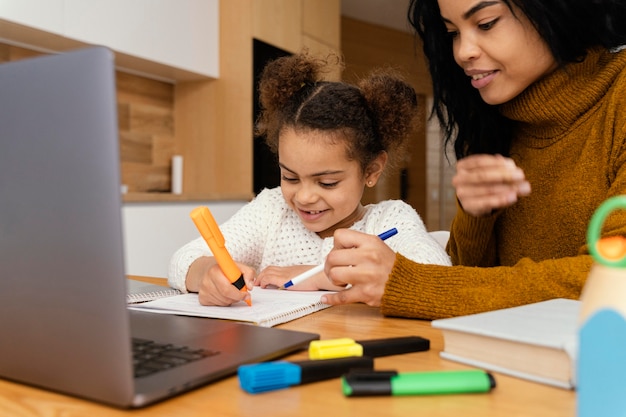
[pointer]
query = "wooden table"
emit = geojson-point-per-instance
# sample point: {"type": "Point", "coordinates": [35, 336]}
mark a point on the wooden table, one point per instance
{"type": "Point", "coordinates": [512, 397]}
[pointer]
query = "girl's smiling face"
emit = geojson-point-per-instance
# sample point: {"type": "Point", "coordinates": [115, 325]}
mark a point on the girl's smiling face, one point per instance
{"type": "Point", "coordinates": [501, 52]}
{"type": "Point", "coordinates": [318, 181]}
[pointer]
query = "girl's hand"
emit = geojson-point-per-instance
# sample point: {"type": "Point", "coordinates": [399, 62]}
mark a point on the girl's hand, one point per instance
{"type": "Point", "coordinates": [488, 182]}
{"type": "Point", "coordinates": [207, 279]}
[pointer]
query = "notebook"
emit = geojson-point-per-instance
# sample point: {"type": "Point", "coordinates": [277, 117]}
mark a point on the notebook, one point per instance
{"type": "Point", "coordinates": [64, 319]}
{"type": "Point", "coordinates": [140, 292]}
{"type": "Point", "coordinates": [270, 307]}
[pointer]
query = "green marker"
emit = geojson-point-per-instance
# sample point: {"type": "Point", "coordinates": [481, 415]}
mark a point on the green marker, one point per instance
{"type": "Point", "coordinates": [359, 383]}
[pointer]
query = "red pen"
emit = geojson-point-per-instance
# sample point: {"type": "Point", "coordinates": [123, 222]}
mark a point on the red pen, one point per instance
{"type": "Point", "coordinates": [211, 233]}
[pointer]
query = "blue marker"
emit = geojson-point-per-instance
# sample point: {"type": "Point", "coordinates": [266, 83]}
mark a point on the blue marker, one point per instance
{"type": "Point", "coordinates": [270, 376]}
{"type": "Point", "coordinates": [313, 271]}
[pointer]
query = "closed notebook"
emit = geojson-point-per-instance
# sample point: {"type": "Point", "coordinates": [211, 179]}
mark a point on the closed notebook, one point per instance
{"type": "Point", "coordinates": [140, 292]}
{"type": "Point", "coordinates": [270, 307]}
{"type": "Point", "coordinates": [537, 342]}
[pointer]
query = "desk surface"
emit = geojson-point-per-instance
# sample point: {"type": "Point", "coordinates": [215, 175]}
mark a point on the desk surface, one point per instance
{"type": "Point", "coordinates": [512, 397]}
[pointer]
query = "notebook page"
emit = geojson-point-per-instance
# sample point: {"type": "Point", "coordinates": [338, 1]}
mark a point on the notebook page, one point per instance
{"type": "Point", "coordinates": [269, 306]}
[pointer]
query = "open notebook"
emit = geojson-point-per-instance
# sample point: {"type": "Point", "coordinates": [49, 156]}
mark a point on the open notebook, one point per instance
{"type": "Point", "coordinates": [270, 307]}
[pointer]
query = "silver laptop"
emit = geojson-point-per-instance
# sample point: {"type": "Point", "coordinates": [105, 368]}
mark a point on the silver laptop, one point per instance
{"type": "Point", "coordinates": [64, 322]}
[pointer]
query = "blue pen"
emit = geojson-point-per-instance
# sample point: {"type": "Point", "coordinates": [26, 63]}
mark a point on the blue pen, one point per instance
{"type": "Point", "coordinates": [308, 274]}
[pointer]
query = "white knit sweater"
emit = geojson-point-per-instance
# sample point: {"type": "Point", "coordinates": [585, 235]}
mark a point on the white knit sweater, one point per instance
{"type": "Point", "coordinates": [267, 232]}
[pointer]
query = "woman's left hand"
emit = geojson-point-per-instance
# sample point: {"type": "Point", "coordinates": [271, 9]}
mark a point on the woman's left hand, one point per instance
{"type": "Point", "coordinates": [485, 183]}
{"type": "Point", "coordinates": [362, 260]}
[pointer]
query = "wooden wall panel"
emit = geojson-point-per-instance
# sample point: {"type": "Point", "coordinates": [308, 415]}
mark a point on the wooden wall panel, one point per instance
{"type": "Point", "coordinates": [321, 20]}
{"type": "Point", "coordinates": [365, 47]}
{"type": "Point", "coordinates": [278, 22]}
{"type": "Point", "coordinates": [15, 53]}
{"type": "Point", "coordinates": [145, 122]}
{"type": "Point", "coordinates": [146, 126]}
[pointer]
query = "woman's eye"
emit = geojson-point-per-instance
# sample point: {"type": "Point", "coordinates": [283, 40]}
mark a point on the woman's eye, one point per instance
{"type": "Point", "coordinates": [452, 34]}
{"type": "Point", "coordinates": [329, 184]}
{"type": "Point", "coordinates": [488, 25]}
{"type": "Point", "coordinates": [288, 179]}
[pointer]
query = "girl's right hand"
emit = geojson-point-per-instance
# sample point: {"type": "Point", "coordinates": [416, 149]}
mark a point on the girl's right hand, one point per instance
{"type": "Point", "coordinates": [488, 182]}
{"type": "Point", "coordinates": [207, 279]}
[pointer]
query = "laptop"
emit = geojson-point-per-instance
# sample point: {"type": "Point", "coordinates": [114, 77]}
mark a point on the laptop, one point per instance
{"type": "Point", "coordinates": [64, 322]}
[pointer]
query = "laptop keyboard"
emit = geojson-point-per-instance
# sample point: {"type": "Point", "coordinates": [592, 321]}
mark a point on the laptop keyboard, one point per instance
{"type": "Point", "coordinates": [150, 357]}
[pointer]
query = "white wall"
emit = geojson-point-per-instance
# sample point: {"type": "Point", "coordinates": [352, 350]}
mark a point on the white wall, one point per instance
{"type": "Point", "coordinates": [153, 232]}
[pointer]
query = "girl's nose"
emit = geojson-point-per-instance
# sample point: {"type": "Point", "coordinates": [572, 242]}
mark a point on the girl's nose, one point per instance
{"type": "Point", "coordinates": [306, 195]}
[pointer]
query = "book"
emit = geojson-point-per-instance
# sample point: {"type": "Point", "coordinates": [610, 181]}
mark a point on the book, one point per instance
{"type": "Point", "coordinates": [270, 306]}
{"type": "Point", "coordinates": [139, 291]}
{"type": "Point", "coordinates": [537, 342]}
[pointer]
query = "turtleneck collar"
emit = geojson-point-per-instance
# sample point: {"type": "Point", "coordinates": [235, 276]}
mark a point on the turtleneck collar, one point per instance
{"type": "Point", "coordinates": [549, 107]}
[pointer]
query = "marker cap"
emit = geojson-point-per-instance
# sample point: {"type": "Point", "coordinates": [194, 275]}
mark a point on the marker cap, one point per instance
{"type": "Point", "coordinates": [269, 376]}
{"type": "Point", "coordinates": [363, 383]}
{"type": "Point", "coordinates": [334, 348]}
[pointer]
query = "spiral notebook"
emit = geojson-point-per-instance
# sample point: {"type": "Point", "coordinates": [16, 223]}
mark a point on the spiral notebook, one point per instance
{"type": "Point", "coordinates": [270, 307]}
{"type": "Point", "coordinates": [140, 292]}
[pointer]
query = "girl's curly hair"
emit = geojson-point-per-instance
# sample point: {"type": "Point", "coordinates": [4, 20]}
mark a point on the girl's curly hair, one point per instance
{"type": "Point", "coordinates": [377, 114]}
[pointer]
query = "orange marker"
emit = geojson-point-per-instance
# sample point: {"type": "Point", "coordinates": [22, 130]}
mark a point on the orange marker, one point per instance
{"type": "Point", "coordinates": [211, 233]}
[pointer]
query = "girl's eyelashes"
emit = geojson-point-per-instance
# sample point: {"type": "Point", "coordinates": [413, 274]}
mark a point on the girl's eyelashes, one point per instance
{"type": "Point", "coordinates": [288, 179]}
{"type": "Point", "coordinates": [294, 180]}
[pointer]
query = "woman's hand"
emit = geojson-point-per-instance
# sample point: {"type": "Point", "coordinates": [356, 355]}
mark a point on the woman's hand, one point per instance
{"type": "Point", "coordinates": [362, 260]}
{"type": "Point", "coordinates": [207, 279]}
{"type": "Point", "coordinates": [488, 182]}
{"type": "Point", "coordinates": [278, 275]}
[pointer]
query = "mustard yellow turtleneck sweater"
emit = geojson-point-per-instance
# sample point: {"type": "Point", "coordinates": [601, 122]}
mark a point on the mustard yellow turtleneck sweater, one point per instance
{"type": "Point", "coordinates": [570, 140]}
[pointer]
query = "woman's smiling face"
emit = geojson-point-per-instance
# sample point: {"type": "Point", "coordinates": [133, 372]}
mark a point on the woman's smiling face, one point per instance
{"type": "Point", "coordinates": [501, 52]}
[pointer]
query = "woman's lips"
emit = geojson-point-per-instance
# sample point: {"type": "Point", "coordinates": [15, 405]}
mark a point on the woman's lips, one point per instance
{"type": "Point", "coordinates": [482, 79]}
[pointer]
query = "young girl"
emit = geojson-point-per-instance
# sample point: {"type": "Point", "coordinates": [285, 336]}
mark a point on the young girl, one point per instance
{"type": "Point", "coordinates": [332, 140]}
{"type": "Point", "coordinates": [533, 95]}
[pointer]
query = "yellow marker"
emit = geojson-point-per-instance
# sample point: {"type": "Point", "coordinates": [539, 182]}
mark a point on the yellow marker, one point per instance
{"type": "Point", "coordinates": [211, 233]}
{"type": "Point", "coordinates": [334, 348]}
{"type": "Point", "coordinates": [374, 348]}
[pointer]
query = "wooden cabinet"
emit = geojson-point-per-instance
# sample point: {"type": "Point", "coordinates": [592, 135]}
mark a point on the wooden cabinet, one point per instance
{"type": "Point", "coordinates": [45, 15]}
{"type": "Point", "coordinates": [213, 119]}
{"type": "Point", "coordinates": [177, 33]}
{"type": "Point", "coordinates": [171, 39]}
{"type": "Point", "coordinates": [185, 79]}
{"type": "Point", "coordinates": [365, 47]}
